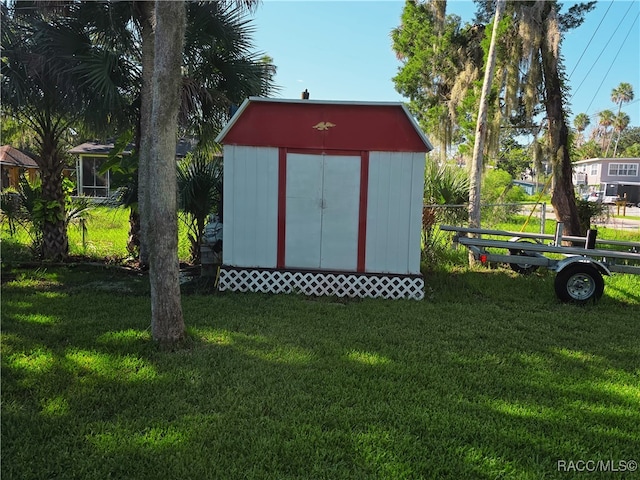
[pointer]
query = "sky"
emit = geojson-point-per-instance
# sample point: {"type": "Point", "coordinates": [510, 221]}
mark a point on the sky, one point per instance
{"type": "Point", "coordinates": [341, 50]}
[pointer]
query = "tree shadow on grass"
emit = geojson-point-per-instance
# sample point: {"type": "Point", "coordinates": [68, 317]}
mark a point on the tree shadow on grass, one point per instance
{"type": "Point", "coordinates": [468, 384]}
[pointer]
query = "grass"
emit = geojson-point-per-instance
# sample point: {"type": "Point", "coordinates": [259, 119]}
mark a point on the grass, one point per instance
{"type": "Point", "coordinates": [489, 377]}
{"type": "Point", "coordinates": [105, 237]}
{"type": "Point", "coordinates": [626, 217]}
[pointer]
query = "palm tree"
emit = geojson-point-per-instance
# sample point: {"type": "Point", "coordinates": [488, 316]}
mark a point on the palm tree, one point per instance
{"type": "Point", "coordinates": [581, 122]}
{"type": "Point", "coordinates": [444, 184]}
{"type": "Point", "coordinates": [220, 67]}
{"type": "Point", "coordinates": [199, 194]}
{"type": "Point", "coordinates": [605, 120]}
{"type": "Point", "coordinates": [219, 70]}
{"type": "Point", "coordinates": [623, 93]}
{"type": "Point", "coordinates": [46, 88]}
{"type": "Point", "coordinates": [620, 123]}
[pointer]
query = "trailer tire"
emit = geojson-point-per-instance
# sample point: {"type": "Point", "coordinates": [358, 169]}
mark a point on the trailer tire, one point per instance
{"type": "Point", "coordinates": [579, 283]}
{"type": "Point", "coordinates": [522, 268]}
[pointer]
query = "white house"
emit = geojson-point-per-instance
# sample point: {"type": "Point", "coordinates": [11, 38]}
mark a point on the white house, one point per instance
{"type": "Point", "coordinates": [612, 178]}
{"type": "Point", "coordinates": [323, 198]}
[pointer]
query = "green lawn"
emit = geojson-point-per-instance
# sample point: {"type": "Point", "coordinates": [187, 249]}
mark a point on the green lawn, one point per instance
{"type": "Point", "coordinates": [488, 377]}
{"type": "Point", "coordinates": [105, 237]}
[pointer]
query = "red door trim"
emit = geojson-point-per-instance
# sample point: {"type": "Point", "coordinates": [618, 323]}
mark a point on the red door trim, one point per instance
{"type": "Point", "coordinates": [362, 213]}
{"type": "Point", "coordinates": [362, 209]}
{"type": "Point", "coordinates": [282, 206]}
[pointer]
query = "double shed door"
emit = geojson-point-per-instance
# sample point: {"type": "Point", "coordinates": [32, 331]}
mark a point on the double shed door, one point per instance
{"type": "Point", "coordinates": [322, 211]}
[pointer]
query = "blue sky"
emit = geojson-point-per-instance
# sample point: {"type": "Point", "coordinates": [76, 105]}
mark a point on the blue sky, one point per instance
{"type": "Point", "coordinates": [341, 50]}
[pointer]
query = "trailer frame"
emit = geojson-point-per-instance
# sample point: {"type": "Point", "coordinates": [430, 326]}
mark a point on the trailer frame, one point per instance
{"type": "Point", "coordinates": [580, 270]}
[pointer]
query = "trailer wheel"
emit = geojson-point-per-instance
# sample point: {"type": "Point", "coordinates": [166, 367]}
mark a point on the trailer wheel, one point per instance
{"type": "Point", "coordinates": [579, 283]}
{"type": "Point", "coordinates": [522, 268]}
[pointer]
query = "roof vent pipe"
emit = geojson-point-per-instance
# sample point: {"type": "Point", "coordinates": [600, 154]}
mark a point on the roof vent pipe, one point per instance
{"type": "Point", "coordinates": [305, 94]}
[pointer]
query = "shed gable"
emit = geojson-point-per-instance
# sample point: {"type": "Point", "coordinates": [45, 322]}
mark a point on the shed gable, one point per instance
{"type": "Point", "coordinates": [324, 126]}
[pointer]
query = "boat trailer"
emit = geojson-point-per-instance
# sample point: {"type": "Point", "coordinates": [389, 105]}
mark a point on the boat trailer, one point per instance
{"type": "Point", "coordinates": [579, 267]}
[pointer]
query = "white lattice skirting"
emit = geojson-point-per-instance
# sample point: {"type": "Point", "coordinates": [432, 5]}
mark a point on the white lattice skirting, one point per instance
{"type": "Point", "coordinates": [322, 283]}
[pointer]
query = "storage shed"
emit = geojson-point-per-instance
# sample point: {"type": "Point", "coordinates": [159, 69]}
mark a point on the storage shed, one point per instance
{"type": "Point", "coordinates": [323, 198]}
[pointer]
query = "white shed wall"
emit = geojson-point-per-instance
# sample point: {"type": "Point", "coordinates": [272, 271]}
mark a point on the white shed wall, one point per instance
{"type": "Point", "coordinates": [250, 209]}
{"type": "Point", "coordinates": [394, 212]}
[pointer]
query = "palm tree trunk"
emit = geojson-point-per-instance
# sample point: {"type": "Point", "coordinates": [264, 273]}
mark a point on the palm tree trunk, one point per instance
{"type": "Point", "coordinates": [55, 242]}
{"type": "Point", "coordinates": [615, 148]}
{"type": "Point", "coordinates": [167, 323]}
{"type": "Point", "coordinates": [613, 132]}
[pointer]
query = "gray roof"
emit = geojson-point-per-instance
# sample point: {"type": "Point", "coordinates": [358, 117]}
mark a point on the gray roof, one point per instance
{"type": "Point", "coordinates": [608, 159]}
{"type": "Point", "coordinates": [184, 146]}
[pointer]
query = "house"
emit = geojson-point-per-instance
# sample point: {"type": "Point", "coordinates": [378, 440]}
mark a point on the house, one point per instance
{"type": "Point", "coordinates": [92, 155]}
{"type": "Point", "coordinates": [530, 188]}
{"type": "Point", "coordinates": [14, 163]}
{"type": "Point", "coordinates": [323, 198]}
{"type": "Point", "coordinates": [611, 178]}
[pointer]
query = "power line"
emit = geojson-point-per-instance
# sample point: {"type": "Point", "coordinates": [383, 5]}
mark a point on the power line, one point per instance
{"type": "Point", "coordinates": [614, 60]}
{"type": "Point", "coordinates": [600, 54]}
{"type": "Point", "coordinates": [589, 43]}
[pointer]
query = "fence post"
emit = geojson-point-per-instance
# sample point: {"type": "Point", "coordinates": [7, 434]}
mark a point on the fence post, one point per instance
{"type": "Point", "coordinates": [543, 217]}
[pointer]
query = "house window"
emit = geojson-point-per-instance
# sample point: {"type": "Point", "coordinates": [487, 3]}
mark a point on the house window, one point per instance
{"type": "Point", "coordinates": [623, 169]}
{"type": "Point", "coordinates": [594, 169]}
{"type": "Point", "coordinates": [94, 183]}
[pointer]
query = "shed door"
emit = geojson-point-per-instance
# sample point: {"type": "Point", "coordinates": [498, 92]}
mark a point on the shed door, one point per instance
{"type": "Point", "coordinates": [322, 206]}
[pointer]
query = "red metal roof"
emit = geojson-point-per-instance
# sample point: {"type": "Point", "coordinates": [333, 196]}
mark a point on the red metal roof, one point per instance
{"type": "Point", "coordinates": [313, 124]}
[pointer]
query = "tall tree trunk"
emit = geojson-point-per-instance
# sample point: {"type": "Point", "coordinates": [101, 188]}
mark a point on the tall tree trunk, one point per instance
{"type": "Point", "coordinates": [55, 242]}
{"type": "Point", "coordinates": [615, 149]}
{"type": "Point", "coordinates": [167, 324]}
{"type": "Point", "coordinates": [563, 197]}
{"type": "Point", "coordinates": [481, 128]}
{"type": "Point", "coordinates": [146, 11]}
